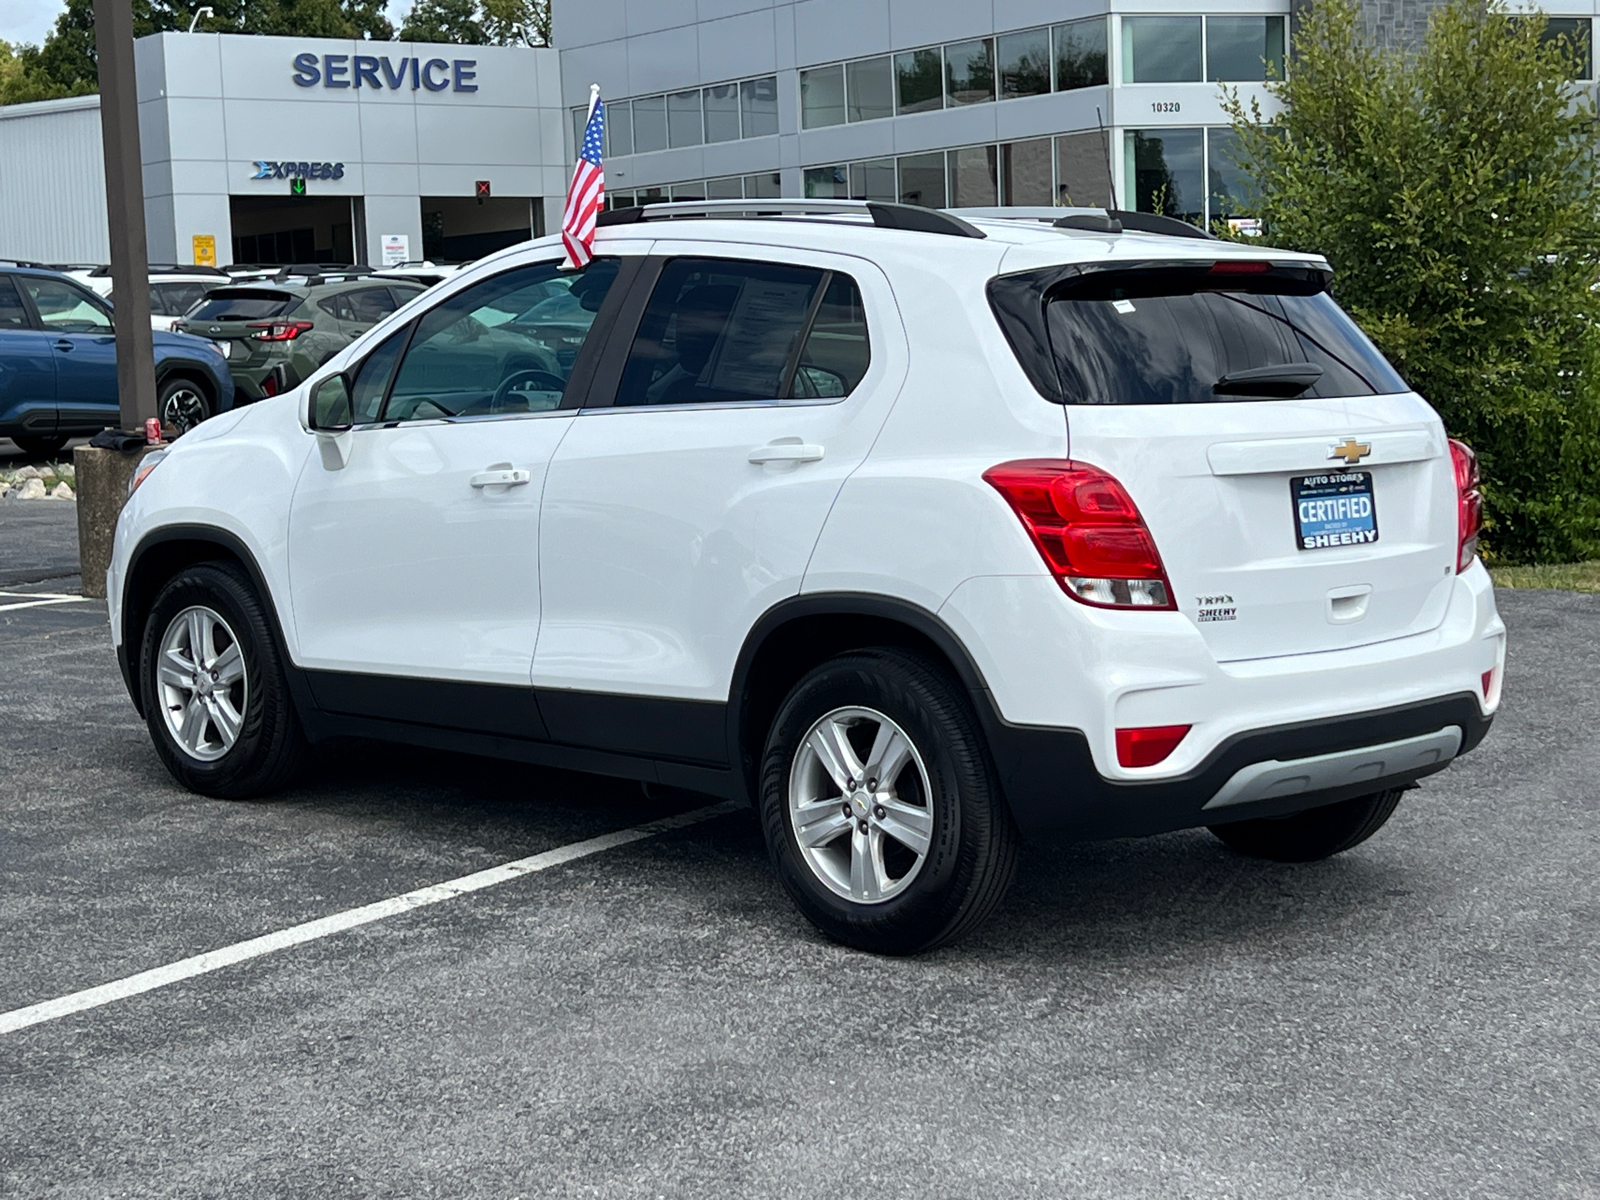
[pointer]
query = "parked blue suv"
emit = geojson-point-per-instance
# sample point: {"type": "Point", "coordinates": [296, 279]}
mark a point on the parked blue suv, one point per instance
{"type": "Point", "coordinates": [58, 365]}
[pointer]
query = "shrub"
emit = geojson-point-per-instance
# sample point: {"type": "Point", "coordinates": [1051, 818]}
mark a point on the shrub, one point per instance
{"type": "Point", "coordinates": [1454, 192]}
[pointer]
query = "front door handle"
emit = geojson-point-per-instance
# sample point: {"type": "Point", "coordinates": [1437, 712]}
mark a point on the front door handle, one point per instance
{"type": "Point", "coordinates": [786, 452]}
{"type": "Point", "coordinates": [504, 478]}
{"type": "Point", "coordinates": [64, 344]}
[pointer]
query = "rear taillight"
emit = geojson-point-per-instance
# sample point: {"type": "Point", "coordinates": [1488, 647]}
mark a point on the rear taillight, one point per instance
{"type": "Point", "coordinates": [279, 331]}
{"type": "Point", "coordinates": [1469, 504]}
{"type": "Point", "coordinates": [1088, 530]}
{"type": "Point", "coordinates": [1148, 745]}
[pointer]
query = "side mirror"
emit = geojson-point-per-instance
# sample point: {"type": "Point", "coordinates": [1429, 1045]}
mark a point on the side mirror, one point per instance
{"type": "Point", "coordinates": [331, 410]}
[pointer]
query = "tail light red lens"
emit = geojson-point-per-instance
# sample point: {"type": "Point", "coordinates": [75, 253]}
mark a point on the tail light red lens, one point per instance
{"type": "Point", "coordinates": [279, 331]}
{"type": "Point", "coordinates": [1088, 530]}
{"type": "Point", "coordinates": [1469, 503]}
{"type": "Point", "coordinates": [1149, 745]}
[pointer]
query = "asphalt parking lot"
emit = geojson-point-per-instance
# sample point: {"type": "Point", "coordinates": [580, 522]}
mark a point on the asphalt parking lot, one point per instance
{"type": "Point", "coordinates": [1143, 1018]}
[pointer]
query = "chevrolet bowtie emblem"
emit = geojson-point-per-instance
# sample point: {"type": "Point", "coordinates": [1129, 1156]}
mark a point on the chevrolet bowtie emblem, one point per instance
{"type": "Point", "coordinates": [1350, 450]}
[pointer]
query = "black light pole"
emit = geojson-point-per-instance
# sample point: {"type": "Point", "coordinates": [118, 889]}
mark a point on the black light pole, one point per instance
{"type": "Point", "coordinates": [130, 264]}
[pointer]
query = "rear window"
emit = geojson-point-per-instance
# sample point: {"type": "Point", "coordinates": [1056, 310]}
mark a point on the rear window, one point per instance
{"type": "Point", "coordinates": [243, 304]}
{"type": "Point", "coordinates": [1190, 337]}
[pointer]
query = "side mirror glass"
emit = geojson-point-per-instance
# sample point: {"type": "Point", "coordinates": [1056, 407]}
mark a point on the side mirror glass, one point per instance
{"type": "Point", "coordinates": [331, 410]}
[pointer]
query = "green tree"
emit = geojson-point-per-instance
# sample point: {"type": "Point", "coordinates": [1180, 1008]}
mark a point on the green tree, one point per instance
{"type": "Point", "coordinates": [454, 21]}
{"type": "Point", "coordinates": [479, 22]}
{"type": "Point", "coordinates": [1454, 192]}
{"type": "Point", "coordinates": [65, 64]}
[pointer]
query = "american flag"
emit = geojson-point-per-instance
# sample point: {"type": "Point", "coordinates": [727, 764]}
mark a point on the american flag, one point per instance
{"type": "Point", "coordinates": [588, 190]}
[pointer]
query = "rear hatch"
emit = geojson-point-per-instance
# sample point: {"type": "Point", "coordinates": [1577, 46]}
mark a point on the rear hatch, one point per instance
{"type": "Point", "coordinates": [1301, 497]}
{"type": "Point", "coordinates": [233, 316]}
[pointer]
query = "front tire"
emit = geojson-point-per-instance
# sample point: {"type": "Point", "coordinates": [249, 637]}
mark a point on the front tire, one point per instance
{"type": "Point", "coordinates": [183, 404]}
{"type": "Point", "coordinates": [1314, 834]}
{"type": "Point", "coordinates": [928, 847]}
{"type": "Point", "coordinates": [216, 698]}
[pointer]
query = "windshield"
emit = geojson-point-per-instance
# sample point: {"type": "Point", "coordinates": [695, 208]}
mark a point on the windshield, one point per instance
{"type": "Point", "coordinates": [242, 304]}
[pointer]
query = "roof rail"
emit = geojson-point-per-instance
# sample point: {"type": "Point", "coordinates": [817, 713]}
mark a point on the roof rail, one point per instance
{"type": "Point", "coordinates": [1093, 220]}
{"type": "Point", "coordinates": [884, 216]}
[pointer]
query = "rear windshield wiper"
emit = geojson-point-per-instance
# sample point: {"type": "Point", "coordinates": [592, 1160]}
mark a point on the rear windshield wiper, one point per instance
{"type": "Point", "coordinates": [1281, 379]}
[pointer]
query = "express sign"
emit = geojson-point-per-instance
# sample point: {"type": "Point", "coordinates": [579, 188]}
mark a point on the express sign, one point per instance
{"type": "Point", "coordinates": [381, 71]}
{"type": "Point", "coordinates": [297, 170]}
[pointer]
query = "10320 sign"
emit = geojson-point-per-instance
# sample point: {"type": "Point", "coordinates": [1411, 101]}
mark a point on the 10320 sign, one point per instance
{"type": "Point", "coordinates": [1165, 106]}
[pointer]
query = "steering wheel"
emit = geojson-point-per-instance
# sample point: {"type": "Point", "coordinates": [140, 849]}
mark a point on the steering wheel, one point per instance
{"type": "Point", "coordinates": [543, 381]}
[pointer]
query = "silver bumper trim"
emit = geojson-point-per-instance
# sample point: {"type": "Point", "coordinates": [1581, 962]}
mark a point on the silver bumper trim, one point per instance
{"type": "Point", "coordinates": [1275, 779]}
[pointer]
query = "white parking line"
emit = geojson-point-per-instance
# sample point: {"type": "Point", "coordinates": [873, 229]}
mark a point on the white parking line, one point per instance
{"type": "Point", "coordinates": [215, 960]}
{"type": "Point", "coordinates": [36, 599]}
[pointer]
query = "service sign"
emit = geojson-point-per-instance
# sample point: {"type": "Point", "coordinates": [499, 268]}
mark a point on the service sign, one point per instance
{"type": "Point", "coordinates": [383, 71]}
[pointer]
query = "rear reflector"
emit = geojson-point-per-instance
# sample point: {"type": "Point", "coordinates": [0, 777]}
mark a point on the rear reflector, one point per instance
{"type": "Point", "coordinates": [1469, 504]}
{"type": "Point", "coordinates": [1088, 531]}
{"type": "Point", "coordinates": [1148, 745]}
{"type": "Point", "coordinates": [1488, 682]}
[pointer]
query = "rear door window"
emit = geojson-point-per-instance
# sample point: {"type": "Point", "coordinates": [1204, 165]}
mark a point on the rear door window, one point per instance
{"type": "Point", "coordinates": [244, 304]}
{"type": "Point", "coordinates": [718, 331]}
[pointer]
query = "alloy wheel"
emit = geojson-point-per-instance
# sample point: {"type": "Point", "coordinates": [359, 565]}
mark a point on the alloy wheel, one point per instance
{"type": "Point", "coordinates": [859, 805]}
{"type": "Point", "coordinates": [202, 684]}
{"type": "Point", "coordinates": [183, 409]}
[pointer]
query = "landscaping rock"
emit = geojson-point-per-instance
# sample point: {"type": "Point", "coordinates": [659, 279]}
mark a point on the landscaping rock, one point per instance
{"type": "Point", "coordinates": [62, 491]}
{"type": "Point", "coordinates": [32, 489]}
{"type": "Point", "coordinates": [28, 472]}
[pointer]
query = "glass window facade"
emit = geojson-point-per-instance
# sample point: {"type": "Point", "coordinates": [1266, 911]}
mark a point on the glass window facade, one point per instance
{"type": "Point", "coordinates": [1025, 176]}
{"type": "Point", "coordinates": [1024, 63]}
{"type": "Point", "coordinates": [619, 128]}
{"type": "Point", "coordinates": [649, 124]}
{"type": "Point", "coordinates": [1161, 49]}
{"type": "Point", "coordinates": [918, 81]}
{"type": "Point", "coordinates": [1244, 49]}
{"type": "Point", "coordinates": [1167, 170]}
{"type": "Point", "coordinates": [1080, 54]}
{"type": "Point", "coordinates": [827, 183]}
{"type": "Point", "coordinates": [722, 113]}
{"type": "Point", "coordinates": [969, 72]}
{"type": "Point", "coordinates": [922, 179]}
{"type": "Point", "coordinates": [822, 97]}
{"type": "Point", "coordinates": [684, 126]}
{"type": "Point", "coordinates": [869, 89]}
{"type": "Point", "coordinates": [758, 106]}
{"type": "Point", "coordinates": [873, 180]}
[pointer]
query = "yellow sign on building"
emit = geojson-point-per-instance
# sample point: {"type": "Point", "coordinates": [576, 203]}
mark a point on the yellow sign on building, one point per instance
{"type": "Point", "coordinates": [205, 249]}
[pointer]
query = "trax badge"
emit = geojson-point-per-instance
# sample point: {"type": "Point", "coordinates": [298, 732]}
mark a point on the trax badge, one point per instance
{"type": "Point", "coordinates": [1350, 450]}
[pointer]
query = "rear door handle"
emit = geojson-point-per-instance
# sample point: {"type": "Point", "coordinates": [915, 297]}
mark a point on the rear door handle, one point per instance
{"type": "Point", "coordinates": [787, 452]}
{"type": "Point", "coordinates": [485, 479]}
{"type": "Point", "coordinates": [64, 343]}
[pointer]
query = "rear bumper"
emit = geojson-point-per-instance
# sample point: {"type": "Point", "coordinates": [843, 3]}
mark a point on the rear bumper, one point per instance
{"type": "Point", "coordinates": [1055, 791]}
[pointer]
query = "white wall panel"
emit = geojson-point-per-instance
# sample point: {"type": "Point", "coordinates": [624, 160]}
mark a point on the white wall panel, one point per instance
{"type": "Point", "coordinates": [52, 182]}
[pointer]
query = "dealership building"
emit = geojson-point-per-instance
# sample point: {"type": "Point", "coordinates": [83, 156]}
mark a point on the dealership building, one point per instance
{"type": "Point", "coordinates": [280, 150]}
{"type": "Point", "coordinates": [293, 150]}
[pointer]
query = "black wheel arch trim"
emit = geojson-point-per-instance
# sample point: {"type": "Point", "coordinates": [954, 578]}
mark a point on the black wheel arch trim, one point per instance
{"type": "Point", "coordinates": [236, 549]}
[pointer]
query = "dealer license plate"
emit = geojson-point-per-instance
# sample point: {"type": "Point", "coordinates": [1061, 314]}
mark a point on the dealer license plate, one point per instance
{"type": "Point", "coordinates": [1336, 509]}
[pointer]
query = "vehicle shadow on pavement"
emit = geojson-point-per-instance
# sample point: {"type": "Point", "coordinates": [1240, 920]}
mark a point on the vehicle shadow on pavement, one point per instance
{"type": "Point", "coordinates": [1127, 902]}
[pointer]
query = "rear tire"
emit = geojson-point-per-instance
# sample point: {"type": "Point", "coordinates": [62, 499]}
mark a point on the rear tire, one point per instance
{"type": "Point", "coordinates": [1313, 834]}
{"type": "Point", "coordinates": [929, 850]}
{"type": "Point", "coordinates": [40, 447]}
{"type": "Point", "coordinates": [222, 719]}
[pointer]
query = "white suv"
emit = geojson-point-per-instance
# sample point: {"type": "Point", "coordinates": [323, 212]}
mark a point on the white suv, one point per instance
{"type": "Point", "coordinates": [922, 534]}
